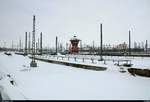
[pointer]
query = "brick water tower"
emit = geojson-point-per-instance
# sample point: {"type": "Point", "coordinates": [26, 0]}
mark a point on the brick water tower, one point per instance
{"type": "Point", "coordinates": [74, 49]}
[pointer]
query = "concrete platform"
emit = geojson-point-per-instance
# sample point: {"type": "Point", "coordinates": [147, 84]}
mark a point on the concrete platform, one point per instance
{"type": "Point", "coordinates": [78, 65]}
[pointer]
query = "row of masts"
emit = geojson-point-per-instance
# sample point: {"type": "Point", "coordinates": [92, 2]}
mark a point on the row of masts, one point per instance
{"type": "Point", "coordinates": [20, 46]}
{"type": "Point", "coordinates": [38, 45]}
{"type": "Point", "coordinates": [28, 48]}
{"type": "Point", "coordinates": [129, 43]}
{"type": "Point", "coordinates": [92, 48]}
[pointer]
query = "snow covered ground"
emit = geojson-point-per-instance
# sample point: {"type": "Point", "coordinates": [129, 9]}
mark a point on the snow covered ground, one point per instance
{"type": "Point", "coordinates": [57, 82]}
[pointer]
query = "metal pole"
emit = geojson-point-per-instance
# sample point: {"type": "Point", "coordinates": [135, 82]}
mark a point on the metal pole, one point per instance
{"type": "Point", "coordinates": [41, 43]}
{"type": "Point", "coordinates": [101, 44]}
{"type": "Point", "coordinates": [20, 44]}
{"type": "Point", "coordinates": [56, 44]}
{"type": "Point", "coordinates": [29, 43]}
{"type": "Point", "coordinates": [26, 43]}
{"type": "Point", "coordinates": [12, 46]}
{"type": "Point", "coordinates": [93, 47]}
{"type": "Point", "coordinates": [146, 46]}
{"type": "Point", "coordinates": [129, 43]}
{"type": "Point", "coordinates": [33, 40]}
{"type": "Point", "coordinates": [66, 47]}
{"type": "Point", "coordinates": [81, 46]}
{"type": "Point", "coordinates": [38, 45]}
{"type": "Point", "coordinates": [33, 63]}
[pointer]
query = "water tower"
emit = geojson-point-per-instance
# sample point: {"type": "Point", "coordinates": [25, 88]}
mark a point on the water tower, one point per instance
{"type": "Point", "coordinates": [74, 45]}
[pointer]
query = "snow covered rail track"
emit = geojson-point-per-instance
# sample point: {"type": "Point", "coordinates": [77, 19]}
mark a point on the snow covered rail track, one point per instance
{"type": "Point", "coordinates": [78, 65]}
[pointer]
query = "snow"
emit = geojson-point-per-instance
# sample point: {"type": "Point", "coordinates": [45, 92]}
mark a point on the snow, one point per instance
{"type": "Point", "coordinates": [58, 82]}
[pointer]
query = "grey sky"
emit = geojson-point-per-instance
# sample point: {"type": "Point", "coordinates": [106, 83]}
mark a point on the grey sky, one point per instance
{"type": "Point", "coordinates": [66, 18]}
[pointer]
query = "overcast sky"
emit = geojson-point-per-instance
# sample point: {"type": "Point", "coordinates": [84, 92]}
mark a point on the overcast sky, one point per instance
{"type": "Point", "coordinates": [66, 18]}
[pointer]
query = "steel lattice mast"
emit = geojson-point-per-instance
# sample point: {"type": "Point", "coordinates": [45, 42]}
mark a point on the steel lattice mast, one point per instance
{"type": "Point", "coordinates": [33, 39]}
{"type": "Point", "coordinates": [33, 63]}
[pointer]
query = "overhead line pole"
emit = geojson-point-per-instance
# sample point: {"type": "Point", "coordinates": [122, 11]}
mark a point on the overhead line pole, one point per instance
{"type": "Point", "coordinates": [101, 43]}
{"type": "Point", "coordinates": [33, 63]}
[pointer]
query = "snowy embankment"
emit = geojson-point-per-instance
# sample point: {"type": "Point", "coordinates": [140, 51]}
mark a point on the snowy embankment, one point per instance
{"type": "Point", "coordinates": [9, 91]}
{"type": "Point", "coordinates": [51, 81]}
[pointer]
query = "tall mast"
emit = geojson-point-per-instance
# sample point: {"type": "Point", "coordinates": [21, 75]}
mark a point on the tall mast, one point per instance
{"type": "Point", "coordinates": [26, 43]}
{"type": "Point", "coordinates": [33, 39]}
{"type": "Point", "coordinates": [12, 46]}
{"type": "Point", "coordinates": [29, 43]}
{"type": "Point", "coordinates": [41, 43]}
{"type": "Point", "coordinates": [38, 45]}
{"type": "Point", "coordinates": [129, 43]}
{"type": "Point", "coordinates": [33, 63]}
{"type": "Point", "coordinates": [101, 44]}
{"type": "Point", "coordinates": [56, 45]}
{"type": "Point", "coordinates": [93, 47]}
{"type": "Point", "coordinates": [146, 45]}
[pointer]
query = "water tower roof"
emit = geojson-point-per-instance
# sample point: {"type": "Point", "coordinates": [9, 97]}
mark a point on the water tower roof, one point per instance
{"type": "Point", "coordinates": [75, 38]}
